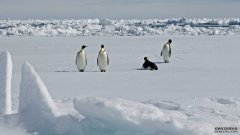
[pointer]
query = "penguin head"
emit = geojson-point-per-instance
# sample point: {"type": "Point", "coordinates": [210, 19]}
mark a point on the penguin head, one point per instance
{"type": "Point", "coordinates": [102, 46]}
{"type": "Point", "coordinates": [146, 58]}
{"type": "Point", "coordinates": [84, 46]}
{"type": "Point", "coordinates": [169, 41]}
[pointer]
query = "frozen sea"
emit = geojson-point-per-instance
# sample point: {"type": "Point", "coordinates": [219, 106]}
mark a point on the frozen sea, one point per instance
{"type": "Point", "coordinates": [199, 88]}
{"type": "Point", "coordinates": [201, 66]}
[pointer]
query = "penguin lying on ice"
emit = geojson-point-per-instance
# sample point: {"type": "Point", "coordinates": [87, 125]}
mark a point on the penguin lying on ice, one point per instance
{"type": "Point", "coordinates": [149, 65]}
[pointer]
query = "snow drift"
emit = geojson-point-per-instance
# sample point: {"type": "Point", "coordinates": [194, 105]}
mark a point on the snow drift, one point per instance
{"type": "Point", "coordinates": [123, 117]}
{"type": "Point", "coordinates": [107, 27]}
{"type": "Point", "coordinates": [5, 82]}
{"type": "Point", "coordinates": [38, 112]}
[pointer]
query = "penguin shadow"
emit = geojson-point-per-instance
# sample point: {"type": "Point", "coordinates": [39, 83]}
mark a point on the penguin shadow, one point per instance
{"type": "Point", "coordinates": [64, 71]}
{"type": "Point", "coordinates": [138, 69]}
{"type": "Point", "coordinates": [73, 71]}
{"type": "Point", "coordinates": [143, 69]}
{"type": "Point", "coordinates": [159, 62]}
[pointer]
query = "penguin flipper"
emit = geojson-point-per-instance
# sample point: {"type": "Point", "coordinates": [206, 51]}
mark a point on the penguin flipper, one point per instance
{"type": "Point", "coordinates": [97, 61]}
{"type": "Point", "coordinates": [161, 53]}
{"type": "Point", "coordinates": [86, 59]}
{"type": "Point", "coordinates": [107, 60]}
{"type": "Point", "coordinates": [76, 58]}
{"type": "Point", "coordinates": [170, 52]}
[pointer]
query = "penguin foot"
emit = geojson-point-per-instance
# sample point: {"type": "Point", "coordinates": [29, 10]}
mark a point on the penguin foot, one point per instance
{"type": "Point", "coordinates": [81, 70]}
{"type": "Point", "coordinates": [166, 61]}
{"type": "Point", "coordinates": [103, 70]}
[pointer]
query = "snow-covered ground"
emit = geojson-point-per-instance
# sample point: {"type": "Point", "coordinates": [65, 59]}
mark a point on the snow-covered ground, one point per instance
{"type": "Point", "coordinates": [196, 92]}
{"type": "Point", "coordinates": [99, 27]}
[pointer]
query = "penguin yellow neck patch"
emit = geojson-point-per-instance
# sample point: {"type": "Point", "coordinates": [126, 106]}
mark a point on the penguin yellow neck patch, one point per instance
{"type": "Point", "coordinates": [102, 50]}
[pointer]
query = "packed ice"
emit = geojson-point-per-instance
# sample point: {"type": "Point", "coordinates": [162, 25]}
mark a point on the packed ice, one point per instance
{"type": "Point", "coordinates": [108, 27]}
{"type": "Point", "coordinates": [39, 114]}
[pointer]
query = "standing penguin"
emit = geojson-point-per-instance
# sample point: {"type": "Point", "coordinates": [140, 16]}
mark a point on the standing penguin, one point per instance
{"type": "Point", "coordinates": [102, 59]}
{"type": "Point", "coordinates": [166, 51]}
{"type": "Point", "coordinates": [81, 59]}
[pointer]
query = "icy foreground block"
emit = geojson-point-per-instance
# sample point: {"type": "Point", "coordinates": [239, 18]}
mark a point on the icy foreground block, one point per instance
{"type": "Point", "coordinates": [119, 116]}
{"type": "Point", "coordinates": [5, 82]}
{"type": "Point", "coordinates": [34, 94]}
{"type": "Point", "coordinates": [38, 112]}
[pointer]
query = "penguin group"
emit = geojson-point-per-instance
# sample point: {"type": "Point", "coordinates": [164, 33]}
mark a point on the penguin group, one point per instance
{"type": "Point", "coordinates": [165, 53]}
{"type": "Point", "coordinates": [103, 59]}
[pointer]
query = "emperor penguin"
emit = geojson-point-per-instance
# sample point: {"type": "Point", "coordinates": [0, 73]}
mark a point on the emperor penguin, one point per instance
{"type": "Point", "coordinates": [102, 59]}
{"type": "Point", "coordinates": [81, 59]}
{"type": "Point", "coordinates": [166, 51]}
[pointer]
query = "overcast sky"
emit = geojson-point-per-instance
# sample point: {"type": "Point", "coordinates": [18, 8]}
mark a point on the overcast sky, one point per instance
{"type": "Point", "coordinates": [118, 9]}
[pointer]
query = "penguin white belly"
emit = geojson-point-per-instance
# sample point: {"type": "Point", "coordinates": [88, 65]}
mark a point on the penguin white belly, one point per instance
{"type": "Point", "coordinates": [81, 61]}
{"type": "Point", "coordinates": [165, 52]}
{"type": "Point", "coordinates": [102, 61]}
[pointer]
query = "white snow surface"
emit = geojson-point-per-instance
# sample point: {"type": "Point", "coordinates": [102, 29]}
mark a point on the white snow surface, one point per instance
{"type": "Point", "coordinates": [5, 82]}
{"type": "Point", "coordinates": [108, 27]}
{"type": "Point", "coordinates": [194, 93]}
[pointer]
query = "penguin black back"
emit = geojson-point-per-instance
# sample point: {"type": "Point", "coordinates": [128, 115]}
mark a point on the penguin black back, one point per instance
{"type": "Point", "coordinates": [148, 64]}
